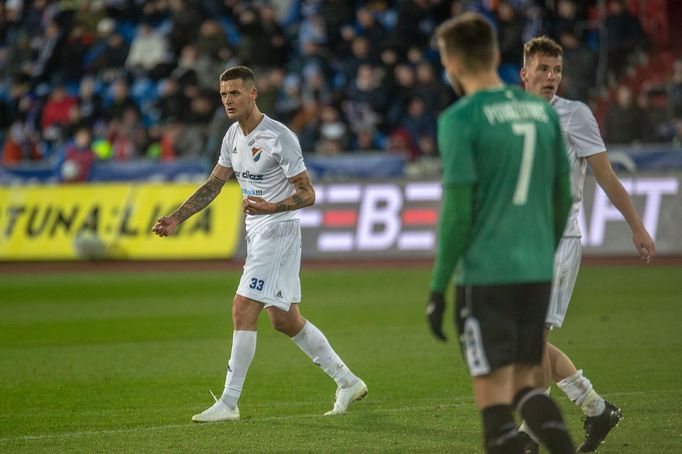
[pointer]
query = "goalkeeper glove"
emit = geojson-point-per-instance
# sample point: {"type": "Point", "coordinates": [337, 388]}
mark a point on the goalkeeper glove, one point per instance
{"type": "Point", "coordinates": [434, 314]}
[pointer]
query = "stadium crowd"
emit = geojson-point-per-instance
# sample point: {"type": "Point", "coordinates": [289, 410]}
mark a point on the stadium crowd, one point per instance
{"type": "Point", "coordinates": [130, 79]}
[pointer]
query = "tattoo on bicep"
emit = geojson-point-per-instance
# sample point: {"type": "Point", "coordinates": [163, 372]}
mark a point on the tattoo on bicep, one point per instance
{"type": "Point", "coordinates": [201, 198]}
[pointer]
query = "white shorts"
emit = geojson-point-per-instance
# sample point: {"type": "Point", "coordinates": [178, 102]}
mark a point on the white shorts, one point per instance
{"type": "Point", "coordinates": [566, 267]}
{"type": "Point", "coordinates": [273, 261]}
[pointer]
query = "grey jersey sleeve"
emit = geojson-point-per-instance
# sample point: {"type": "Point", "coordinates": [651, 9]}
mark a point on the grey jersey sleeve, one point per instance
{"type": "Point", "coordinates": [584, 132]}
{"type": "Point", "coordinates": [225, 158]}
{"type": "Point", "coordinates": [288, 154]}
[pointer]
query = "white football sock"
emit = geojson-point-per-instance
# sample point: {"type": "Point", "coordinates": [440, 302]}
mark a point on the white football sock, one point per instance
{"type": "Point", "coordinates": [315, 345]}
{"type": "Point", "coordinates": [580, 391]}
{"type": "Point", "coordinates": [243, 351]}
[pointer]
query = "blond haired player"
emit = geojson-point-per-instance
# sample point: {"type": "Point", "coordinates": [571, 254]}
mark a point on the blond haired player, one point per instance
{"type": "Point", "coordinates": [541, 74]}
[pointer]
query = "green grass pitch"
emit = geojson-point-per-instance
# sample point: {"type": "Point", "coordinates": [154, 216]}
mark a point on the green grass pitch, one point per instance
{"type": "Point", "coordinates": [120, 363]}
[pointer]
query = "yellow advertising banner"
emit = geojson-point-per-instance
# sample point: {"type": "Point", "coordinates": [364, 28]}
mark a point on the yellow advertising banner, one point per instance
{"type": "Point", "coordinates": [114, 221]}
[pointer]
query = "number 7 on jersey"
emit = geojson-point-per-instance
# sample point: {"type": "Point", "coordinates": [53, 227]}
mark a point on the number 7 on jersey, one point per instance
{"type": "Point", "coordinates": [527, 130]}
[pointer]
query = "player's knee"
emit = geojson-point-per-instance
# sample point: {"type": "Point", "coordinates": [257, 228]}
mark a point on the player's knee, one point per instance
{"type": "Point", "coordinates": [244, 313]}
{"type": "Point", "coordinates": [282, 325]}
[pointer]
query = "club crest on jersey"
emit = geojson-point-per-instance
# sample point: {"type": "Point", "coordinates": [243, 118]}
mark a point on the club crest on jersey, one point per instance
{"type": "Point", "coordinates": [256, 153]}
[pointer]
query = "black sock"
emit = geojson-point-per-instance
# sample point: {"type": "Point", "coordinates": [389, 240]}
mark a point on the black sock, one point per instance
{"type": "Point", "coordinates": [544, 418]}
{"type": "Point", "coordinates": [499, 430]}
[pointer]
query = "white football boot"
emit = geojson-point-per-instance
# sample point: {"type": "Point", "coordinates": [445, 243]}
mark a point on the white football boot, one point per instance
{"type": "Point", "coordinates": [217, 412]}
{"type": "Point", "coordinates": [346, 396]}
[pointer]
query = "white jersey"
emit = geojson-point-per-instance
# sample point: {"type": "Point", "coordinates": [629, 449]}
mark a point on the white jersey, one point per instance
{"type": "Point", "coordinates": [582, 138]}
{"type": "Point", "coordinates": [263, 162]}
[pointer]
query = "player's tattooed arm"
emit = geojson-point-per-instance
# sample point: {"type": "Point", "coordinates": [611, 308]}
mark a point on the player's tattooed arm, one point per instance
{"type": "Point", "coordinates": [203, 196]}
{"type": "Point", "coordinates": [166, 225]}
{"type": "Point", "coordinates": [303, 196]}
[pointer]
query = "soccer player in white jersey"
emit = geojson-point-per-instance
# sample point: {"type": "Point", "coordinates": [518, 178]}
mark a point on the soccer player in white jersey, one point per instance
{"type": "Point", "coordinates": [541, 74]}
{"type": "Point", "coordinates": [266, 159]}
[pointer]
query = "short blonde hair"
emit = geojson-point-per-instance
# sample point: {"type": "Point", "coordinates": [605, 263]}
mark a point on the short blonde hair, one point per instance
{"type": "Point", "coordinates": [543, 45]}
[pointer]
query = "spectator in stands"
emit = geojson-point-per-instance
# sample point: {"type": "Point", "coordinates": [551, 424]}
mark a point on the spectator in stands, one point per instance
{"type": "Point", "coordinates": [127, 135]}
{"type": "Point", "coordinates": [90, 101]}
{"type": "Point", "coordinates": [509, 33]}
{"type": "Point", "coordinates": [75, 48]}
{"type": "Point", "coordinates": [110, 57]}
{"type": "Point", "coordinates": [675, 89]}
{"type": "Point", "coordinates": [56, 109]}
{"type": "Point", "coordinates": [290, 100]}
{"type": "Point", "coordinates": [148, 50]}
{"type": "Point", "coordinates": [359, 55]}
{"type": "Point", "coordinates": [433, 92]}
{"type": "Point", "coordinates": [155, 13]}
{"type": "Point", "coordinates": [49, 47]}
{"type": "Point", "coordinates": [624, 36]}
{"type": "Point", "coordinates": [211, 38]}
{"type": "Point", "coordinates": [88, 14]}
{"type": "Point", "coordinates": [367, 140]}
{"type": "Point", "coordinates": [624, 119]}
{"type": "Point", "coordinates": [185, 22]}
{"type": "Point", "coordinates": [388, 60]}
{"type": "Point", "coordinates": [338, 15]}
{"type": "Point", "coordinates": [18, 89]}
{"type": "Point", "coordinates": [20, 146]}
{"type": "Point", "coordinates": [579, 68]}
{"type": "Point", "coordinates": [315, 86]}
{"type": "Point", "coordinates": [415, 23]}
{"type": "Point", "coordinates": [78, 158]}
{"type": "Point", "coordinates": [566, 21]}
{"type": "Point", "coordinates": [313, 29]}
{"type": "Point", "coordinates": [272, 43]}
{"type": "Point", "coordinates": [186, 72]}
{"type": "Point", "coordinates": [305, 123]}
{"type": "Point", "coordinates": [120, 101]}
{"type": "Point", "coordinates": [37, 14]}
{"type": "Point", "coordinates": [420, 125]}
{"type": "Point", "coordinates": [403, 88]}
{"type": "Point", "coordinates": [535, 23]}
{"type": "Point", "coordinates": [18, 62]}
{"type": "Point", "coordinates": [654, 121]}
{"type": "Point", "coordinates": [369, 28]}
{"type": "Point", "coordinates": [74, 123]}
{"type": "Point", "coordinates": [365, 98]}
{"type": "Point", "coordinates": [269, 86]}
{"type": "Point", "coordinates": [677, 132]}
{"type": "Point", "coordinates": [399, 142]}
{"type": "Point", "coordinates": [189, 143]}
{"type": "Point", "coordinates": [172, 104]}
{"type": "Point", "coordinates": [333, 132]}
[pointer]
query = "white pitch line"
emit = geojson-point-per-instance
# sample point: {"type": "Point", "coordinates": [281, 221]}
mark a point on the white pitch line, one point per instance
{"type": "Point", "coordinates": [87, 433]}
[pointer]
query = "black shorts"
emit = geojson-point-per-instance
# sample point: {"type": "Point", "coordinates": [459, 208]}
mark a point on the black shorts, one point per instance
{"type": "Point", "coordinates": [499, 325]}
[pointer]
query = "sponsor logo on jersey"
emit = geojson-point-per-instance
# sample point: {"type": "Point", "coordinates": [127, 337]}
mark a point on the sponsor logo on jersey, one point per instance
{"type": "Point", "coordinates": [234, 150]}
{"type": "Point", "coordinates": [256, 192]}
{"type": "Point", "coordinates": [246, 175]}
{"type": "Point", "coordinates": [256, 153]}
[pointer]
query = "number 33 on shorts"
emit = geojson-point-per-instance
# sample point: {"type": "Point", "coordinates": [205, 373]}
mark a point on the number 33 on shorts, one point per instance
{"type": "Point", "coordinates": [256, 284]}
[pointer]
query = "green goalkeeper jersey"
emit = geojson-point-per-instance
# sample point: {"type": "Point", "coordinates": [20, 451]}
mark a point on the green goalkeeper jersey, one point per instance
{"type": "Point", "coordinates": [507, 145]}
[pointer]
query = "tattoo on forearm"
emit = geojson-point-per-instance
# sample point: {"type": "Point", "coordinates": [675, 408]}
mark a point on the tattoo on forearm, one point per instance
{"type": "Point", "coordinates": [201, 198]}
{"type": "Point", "coordinates": [303, 197]}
